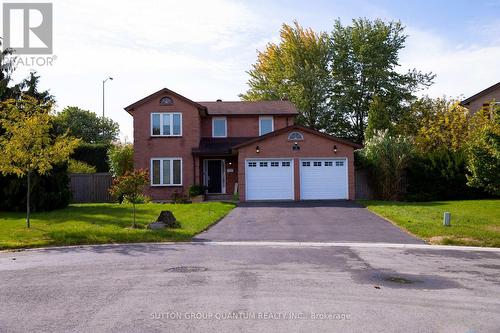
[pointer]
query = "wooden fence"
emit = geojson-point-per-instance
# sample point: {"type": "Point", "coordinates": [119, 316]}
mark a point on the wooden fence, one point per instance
{"type": "Point", "coordinates": [90, 187]}
{"type": "Point", "coordinates": [363, 186]}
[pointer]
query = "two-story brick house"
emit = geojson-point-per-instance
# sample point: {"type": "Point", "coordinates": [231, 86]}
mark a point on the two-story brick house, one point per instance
{"type": "Point", "coordinates": [252, 148]}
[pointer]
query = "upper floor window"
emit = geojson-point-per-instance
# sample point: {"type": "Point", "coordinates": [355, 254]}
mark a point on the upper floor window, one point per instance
{"type": "Point", "coordinates": [266, 125]}
{"type": "Point", "coordinates": [295, 136]}
{"type": "Point", "coordinates": [166, 101]}
{"type": "Point", "coordinates": [219, 127]}
{"type": "Point", "coordinates": [166, 124]}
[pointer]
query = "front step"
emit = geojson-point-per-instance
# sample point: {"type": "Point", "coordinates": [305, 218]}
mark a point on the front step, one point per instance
{"type": "Point", "coordinates": [218, 197]}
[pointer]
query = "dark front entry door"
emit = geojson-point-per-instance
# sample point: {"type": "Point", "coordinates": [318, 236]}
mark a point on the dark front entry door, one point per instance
{"type": "Point", "coordinates": [214, 176]}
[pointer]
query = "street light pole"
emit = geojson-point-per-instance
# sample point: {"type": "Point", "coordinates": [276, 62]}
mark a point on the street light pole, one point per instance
{"type": "Point", "coordinates": [103, 82]}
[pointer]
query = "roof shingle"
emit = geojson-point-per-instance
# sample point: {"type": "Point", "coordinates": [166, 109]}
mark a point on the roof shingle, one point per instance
{"type": "Point", "coordinates": [250, 108]}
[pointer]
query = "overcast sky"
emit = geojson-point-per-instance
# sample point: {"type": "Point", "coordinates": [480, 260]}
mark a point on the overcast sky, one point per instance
{"type": "Point", "coordinates": [201, 49]}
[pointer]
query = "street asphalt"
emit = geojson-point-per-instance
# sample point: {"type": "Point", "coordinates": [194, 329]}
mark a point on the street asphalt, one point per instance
{"type": "Point", "coordinates": [249, 288]}
{"type": "Point", "coordinates": [306, 221]}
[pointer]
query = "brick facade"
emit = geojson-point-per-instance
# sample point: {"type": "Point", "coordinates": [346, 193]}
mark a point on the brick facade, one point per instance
{"type": "Point", "coordinates": [197, 125]}
{"type": "Point", "coordinates": [313, 146]}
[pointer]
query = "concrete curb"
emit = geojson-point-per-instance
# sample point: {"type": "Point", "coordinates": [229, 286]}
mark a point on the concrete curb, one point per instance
{"type": "Point", "coordinates": [353, 245]}
{"type": "Point", "coordinates": [274, 244]}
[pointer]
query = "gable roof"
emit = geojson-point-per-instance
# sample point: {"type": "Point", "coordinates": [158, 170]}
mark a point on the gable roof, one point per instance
{"type": "Point", "coordinates": [480, 94]}
{"type": "Point", "coordinates": [250, 108]}
{"type": "Point", "coordinates": [299, 128]}
{"type": "Point", "coordinates": [159, 93]}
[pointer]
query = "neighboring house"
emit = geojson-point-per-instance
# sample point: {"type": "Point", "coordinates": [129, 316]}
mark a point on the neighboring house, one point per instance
{"type": "Point", "coordinates": [252, 148]}
{"type": "Point", "coordinates": [482, 98]}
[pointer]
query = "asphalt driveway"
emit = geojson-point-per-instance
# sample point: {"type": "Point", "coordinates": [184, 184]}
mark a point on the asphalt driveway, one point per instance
{"type": "Point", "coordinates": [307, 221]}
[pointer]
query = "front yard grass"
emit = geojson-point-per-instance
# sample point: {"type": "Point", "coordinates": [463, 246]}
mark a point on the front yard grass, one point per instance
{"type": "Point", "coordinates": [473, 222]}
{"type": "Point", "coordinates": [106, 223]}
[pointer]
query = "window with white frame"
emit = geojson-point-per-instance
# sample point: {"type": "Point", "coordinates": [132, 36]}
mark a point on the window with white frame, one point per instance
{"type": "Point", "coordinates": [166, 171]}
{"type": "Point", "coordinates": [166, 124]}
{"type": "Point", "coordinates": [219, 127]}
{"type": "Point", "coordinates": [266, 125]}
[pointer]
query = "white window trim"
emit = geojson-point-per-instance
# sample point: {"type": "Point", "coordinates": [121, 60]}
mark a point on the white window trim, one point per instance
{"type": "Point", "coordinates": [225, 127]}
{"type": "Point", "coordinates": [161, 159]}
{"type": "Point", "coordinates": [266, 117]}
{"type": "Point", "coordinates": [161, 123]}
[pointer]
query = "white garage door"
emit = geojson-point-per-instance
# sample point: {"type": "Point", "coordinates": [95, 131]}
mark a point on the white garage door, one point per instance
{"type": "Point", "coordinates": [269, 179]}
{"type": "Point", "coordinates": [323, 179]}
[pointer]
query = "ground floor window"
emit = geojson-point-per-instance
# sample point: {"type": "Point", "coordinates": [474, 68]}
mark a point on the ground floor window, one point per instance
{"type": "Point", "coordinates": [166, 171]}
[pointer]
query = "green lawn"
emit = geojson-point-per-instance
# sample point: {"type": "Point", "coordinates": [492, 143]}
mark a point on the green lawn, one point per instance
{"type": "Point", "coordinates": [105, 223]}
{"type": "Point", "coordinates": [473, 222]}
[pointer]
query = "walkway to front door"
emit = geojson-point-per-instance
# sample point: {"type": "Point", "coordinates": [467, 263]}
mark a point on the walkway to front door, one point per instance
{"type": "Point", "coordinates": [214, 173]}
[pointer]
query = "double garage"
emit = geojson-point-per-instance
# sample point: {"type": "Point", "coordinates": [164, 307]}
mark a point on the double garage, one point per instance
{"type": "Point", "coordinates": [319, 179]}
{"type": "Point", "coordinates": [296, 163]}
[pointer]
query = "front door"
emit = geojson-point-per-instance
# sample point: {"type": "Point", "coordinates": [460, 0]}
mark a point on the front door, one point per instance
{"type": "Point", "coordinates": [213, 174]}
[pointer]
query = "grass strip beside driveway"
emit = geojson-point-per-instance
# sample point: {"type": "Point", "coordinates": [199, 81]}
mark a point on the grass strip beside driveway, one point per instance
{"type": "Point", "coordinates": [106, 223]}
{"type": "Point", "coordinates": [473, 222]}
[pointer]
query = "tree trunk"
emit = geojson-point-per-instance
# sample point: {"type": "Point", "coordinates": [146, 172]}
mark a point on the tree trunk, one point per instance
{"type": "Point", "coordinates": [28, 200]}
{"type": "Point", "coordinates": [133, 209]}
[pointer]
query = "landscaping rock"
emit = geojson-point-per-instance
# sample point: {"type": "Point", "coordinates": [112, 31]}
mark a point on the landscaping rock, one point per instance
{"type": "Point", "coordinates": [157, 226]}
{"type": "Point", "coordinates": [168, 219]}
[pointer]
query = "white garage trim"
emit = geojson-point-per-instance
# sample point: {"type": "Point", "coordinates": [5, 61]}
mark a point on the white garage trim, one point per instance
{"type": "Point", "coordinates": [307, 190]}
{"type": "Point", "coordinates": [289, 194]}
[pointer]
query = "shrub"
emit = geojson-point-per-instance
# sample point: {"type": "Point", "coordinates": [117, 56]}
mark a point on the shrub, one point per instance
{"type": "Point", "coordinates": [95, 155]}
{"type": "Point", "coordinates": [49, 192]}
{"type": "Point", "coordinates": [484, 152]}
{"type": "Point", "coordinates": [120, 159]}
{"type": "Point", "coordinates": [75, 166]}
{"type": "Point", "coordinates": [141, 199]}
{"type": "Point", "coordinates": [439, 175]}
{"type": "Point", "coordinates": [388, 156]}
{"type": "Point", "coordinates": [179, 197]}
{"type": "Point", "coordinates": [195, 190]}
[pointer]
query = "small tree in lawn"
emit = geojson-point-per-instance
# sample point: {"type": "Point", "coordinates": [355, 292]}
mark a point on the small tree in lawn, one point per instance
{"type": "Point", "coordinates": [130, 186]}
{"type": "Point", "coordinates": [26, 143]}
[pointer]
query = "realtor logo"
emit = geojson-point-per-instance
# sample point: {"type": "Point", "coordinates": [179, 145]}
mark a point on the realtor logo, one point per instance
{"type": "Point", "coordinates": [27, 27]}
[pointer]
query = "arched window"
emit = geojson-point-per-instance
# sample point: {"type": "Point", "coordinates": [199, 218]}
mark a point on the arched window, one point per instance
{"type": "Point", "coordinates": [166, 101]}
{"type": "Point", "coordinates": [295, 136]}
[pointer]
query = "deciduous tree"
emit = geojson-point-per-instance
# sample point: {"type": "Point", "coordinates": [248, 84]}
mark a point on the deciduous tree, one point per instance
{"type": "Point", "coordinates": [130, 186]}
{"type": "Point", "coordinates": [26, 144]}
{"type": "Point", "coordinates": [86, 125]}
{"type": "Point", "coordinates": [484, 151]}
{"type": "Point", "coordinates": [297, 68]}
{"type": "Point", "coordinates": [365, 58]}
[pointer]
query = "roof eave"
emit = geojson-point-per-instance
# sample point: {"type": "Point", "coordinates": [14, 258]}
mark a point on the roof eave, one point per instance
{"type": "Point", "coordinates": [134, 105]}
{"type": "Point", "coordinates": [298, 127]}
{"type": "Point", "coordinates": [467, 101]}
